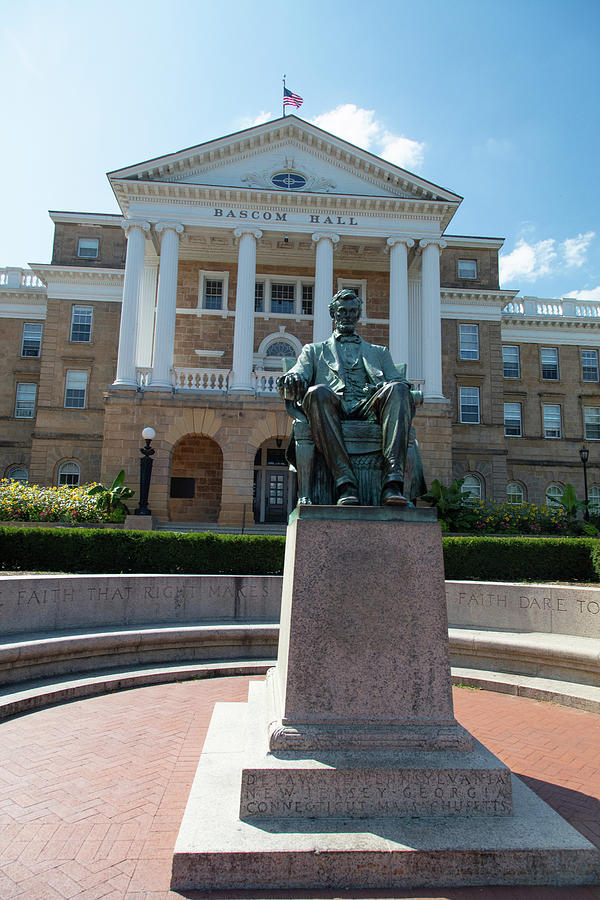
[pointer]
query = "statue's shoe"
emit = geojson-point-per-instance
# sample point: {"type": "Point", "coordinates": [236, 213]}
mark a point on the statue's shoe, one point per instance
{"type": "Point", "coordinates": [393, 496]}
{"type": "Point", "coordinates": [348, 495]}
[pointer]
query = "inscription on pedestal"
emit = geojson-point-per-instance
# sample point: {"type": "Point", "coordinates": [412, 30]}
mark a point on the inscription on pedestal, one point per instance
{"type": "Point", "coordinates": [359, 794]}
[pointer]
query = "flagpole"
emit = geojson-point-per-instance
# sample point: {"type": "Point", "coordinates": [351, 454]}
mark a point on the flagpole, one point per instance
{"type": "Point", "coordinates": [283, 98]}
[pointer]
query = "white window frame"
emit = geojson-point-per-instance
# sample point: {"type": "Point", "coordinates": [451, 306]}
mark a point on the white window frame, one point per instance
{"type": "Point", "coordinates": [260, 357]}
{"type": "Point", "coordinates": [511, 362]}
{"type": "Point", "coordinates": [583, 367]}
{"type": "Point", "coordinates": [515, 493]}
{"type": "Point", "coordinates": [594, 499]}
{"type": "Point", "coordinates": [36, 325]}
{"type": "Point", "coordinates": [466, 346]}
{"type": "Point", "coordinates": [554, 350]}
{"type": "Point", "coordinates": [551, 432]}
{"type": "Point", "coordinates": [510, 415]}
{"type": "Point", "coordinates": [349, 284]}
{"type": "Point", "coordinates": [24, 391]}
{"type": "Point", "coordinates": [268, 281]}
{"type": "Point", "coordinates": [62, 472]}
{"type": "Point", "coordinates": [553, 493]}
{"type": "Point", "coordinates": [71, 385]}
{"type": "Point", "coordinates": [473, 486]}
{"type": "Point", "coordinates": [468, 262]}
{"type": "Point", "coordinates": [79, 310]}
{"type": "Point", "coordinates": [463, 403]}
{"type": "Point", "coordinates": [89, 240]}
{"type": "Point", "coordinates": [284, 282]}
{"type": "Point", "coordinates": [13, 471]}
{"type": "Point", "coordinates": [591, 419]}
{"type": "Point", "coordinates": [209, 275]}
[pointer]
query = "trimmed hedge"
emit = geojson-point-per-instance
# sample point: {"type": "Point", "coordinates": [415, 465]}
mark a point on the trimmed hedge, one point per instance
{"type": "Point", "coordinates": [521, 559]}
{"type": "Point", "coordinates": [88, 550]}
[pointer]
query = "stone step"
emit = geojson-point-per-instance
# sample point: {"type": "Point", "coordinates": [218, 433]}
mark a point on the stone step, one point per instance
{"type": "Point", "coordinates": [277, 528]}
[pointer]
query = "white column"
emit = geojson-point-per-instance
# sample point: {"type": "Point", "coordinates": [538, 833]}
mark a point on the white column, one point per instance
{"type": "Point", "coordinates": [146, 305]}
{"type": "Point", "coordinates": [134, 267]}
{"type": "Point", "coordinates": [399, 336]}
{"type": "Point", "coordinates": [166, 304]}
{"type": "Point", "coordinates": [243, 333]}
{"type": "Point", "coordinates": [323, 283]}
{"type": "Point", "coordinates": [432, 318]}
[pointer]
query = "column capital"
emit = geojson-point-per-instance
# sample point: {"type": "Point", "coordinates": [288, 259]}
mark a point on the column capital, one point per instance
{"type": "Point", "coordinates": [437, 242]}
{"type": "Point", "coordinates": [325, 235]}
{"type": "Point", "coordinates": [128, 224]}
{"type": "Point", "coordinates": [161, 227]}
{"type": "Point", "coordinates": [255, 232]}
{"type": "Point", "coordinates": [400, 239]}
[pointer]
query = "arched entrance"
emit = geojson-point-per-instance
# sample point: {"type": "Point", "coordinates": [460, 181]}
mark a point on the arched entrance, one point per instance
{"type": "Point", "coordinates": [274, 484]}
{"type": "Point", "coordinates": [196, 480]}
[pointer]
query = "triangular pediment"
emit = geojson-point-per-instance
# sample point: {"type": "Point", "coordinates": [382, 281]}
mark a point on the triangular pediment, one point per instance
{"type": "Point", "coordinates": [286, 154]}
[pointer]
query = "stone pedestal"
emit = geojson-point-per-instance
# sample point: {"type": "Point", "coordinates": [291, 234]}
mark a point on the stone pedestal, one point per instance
{"type": "Point", "coordinates": [348, 768]}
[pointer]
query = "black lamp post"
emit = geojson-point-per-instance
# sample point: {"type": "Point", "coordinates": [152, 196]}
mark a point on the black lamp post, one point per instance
{"type": "Point", "coordinates": [584, 455]}
{"type": "Point", "coordinates": [145, 471]}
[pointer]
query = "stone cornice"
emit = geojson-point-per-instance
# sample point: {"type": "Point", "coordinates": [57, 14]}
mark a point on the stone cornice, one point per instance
{"type": "Point", "coordinates": [79, 283]}
{"type": "Point", "coordinates": [269, 135]}
{"type": "Point", "coordinates": [457, 295]}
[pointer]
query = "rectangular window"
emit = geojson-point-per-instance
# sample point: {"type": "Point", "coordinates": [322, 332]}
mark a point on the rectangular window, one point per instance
{"type": "Point", "coordinates": [552, 425]}
{"type": "Point", "coordinates": [87, 248]}
{"type": "Point", "coordinates": [75, 389]}
{"type": "Point", "coordinates": [213, 294]}
{"type": "Point", "coordinates": [511, 363]}
{"type": "Point", "coordinates": [591, 418]}
{"type": "Point", "coordinates": [467, 268]}
{"type": "Point", "coordinates": [589, 365]}
{"type": "Point", "coordinates": [469, 405]}
{"type": "Point", "coordinates": [282, 298]}
{"type": "Point", "coordinates": [259, 296]}
{"type": "Point", "coordinates": [550, 363]}
{"type": "Point", "coordinates": [512, 419]}
{"type": "Point", "coordinates": [25, 401]}
{"type": "Point", "coordinates": [469, 341]}
{"type": "Point", "coordinates": [81, 324]}
{"type": "Point", "coordinates": [308, 293]}
{"type": "Point", "coordinates": [32, 339]}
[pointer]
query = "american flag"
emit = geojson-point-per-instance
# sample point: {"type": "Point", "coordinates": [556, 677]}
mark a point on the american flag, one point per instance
{"type": "Point", "coordinates": [290, 99]}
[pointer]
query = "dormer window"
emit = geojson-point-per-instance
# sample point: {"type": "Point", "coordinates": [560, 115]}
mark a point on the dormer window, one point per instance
{"type": "Point", "coordinates": [87, 248]}
{"type": "Point", "coordinates": [467, 268]}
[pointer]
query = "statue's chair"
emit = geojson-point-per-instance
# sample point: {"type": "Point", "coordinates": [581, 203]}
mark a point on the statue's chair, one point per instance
{"type": "Point", "coordinates": [363, 442]}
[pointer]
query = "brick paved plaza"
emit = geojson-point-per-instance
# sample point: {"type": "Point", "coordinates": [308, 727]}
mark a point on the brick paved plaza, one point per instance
{"type": "Point", "coordinates": [92, 792]}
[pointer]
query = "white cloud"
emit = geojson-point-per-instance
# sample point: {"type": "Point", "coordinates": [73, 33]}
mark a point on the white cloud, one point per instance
{"type": "Point", "coordinates": [361, 127]}
{"type": "Point", "coordinates": [260, 118]}
{"type": "Point", "coordinates": [574, 249]}
{"type": "Point", "coordinates": [528, 261]}
{"type": "Point", "coordinates": [590, 294]}
{"type": "Point", "coordinates": [348, 121]}
{"type": "Point", "coordinates": [402, 151]}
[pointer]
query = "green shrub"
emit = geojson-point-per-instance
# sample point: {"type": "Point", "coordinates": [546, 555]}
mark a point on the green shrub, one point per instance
{"type": "Point", "coordinates": [88, 550]}
{"type": "Point", "coordinates": [521, 559]}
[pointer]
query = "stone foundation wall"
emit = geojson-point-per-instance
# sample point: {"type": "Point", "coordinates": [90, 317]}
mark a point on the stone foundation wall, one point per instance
{"type": "Point", "coordinates": [199, 458]}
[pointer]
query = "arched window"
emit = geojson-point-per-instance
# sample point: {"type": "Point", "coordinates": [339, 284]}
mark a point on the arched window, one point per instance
{"type": "Point", "coordinates": [68, 474]}
{"type": "Point", "coordinates": [594, 500]}
{"type": "Point", "coordinates": [553, 494]}
{"type": "Point", "coordinates": [514, 492]}
{"type": "Point", "coordinates": [473, 487]}
{"type": "Point", "coordinates": [18, 473]}
{"type": "Point", "coordinates": [281, 348]}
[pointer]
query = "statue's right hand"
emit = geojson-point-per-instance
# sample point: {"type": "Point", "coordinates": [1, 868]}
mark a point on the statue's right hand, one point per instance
{"type": "Point", "coordinates": [292, 387]}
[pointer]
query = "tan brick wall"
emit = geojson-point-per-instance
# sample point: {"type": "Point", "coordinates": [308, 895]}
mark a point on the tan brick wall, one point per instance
{"type": "Point", "coordinates": [487, 268]}
{"type": "Point", "coordinates": [199, 458]}
{"type": "Point", "coordinates": [112, 247]}
{"type": "Point", "coordinates": [15, 434]}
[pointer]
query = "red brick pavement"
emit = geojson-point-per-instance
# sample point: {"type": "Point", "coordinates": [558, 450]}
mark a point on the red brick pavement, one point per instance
{"type": "Point", "coordinates": [92, 792]}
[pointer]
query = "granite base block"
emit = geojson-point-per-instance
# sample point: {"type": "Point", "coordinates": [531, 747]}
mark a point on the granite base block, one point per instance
{"type": "Point", "coordinates": [216, 850]}
{"type": "Point", "coordinates": [353, 783]}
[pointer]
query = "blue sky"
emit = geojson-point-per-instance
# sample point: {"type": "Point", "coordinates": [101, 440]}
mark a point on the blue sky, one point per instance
{"type": "Point", "coordinates": [495, 101]}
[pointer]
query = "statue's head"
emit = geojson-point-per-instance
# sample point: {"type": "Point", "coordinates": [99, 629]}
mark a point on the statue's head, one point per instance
{"type": "Point", "coordinates": [345, 309]}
